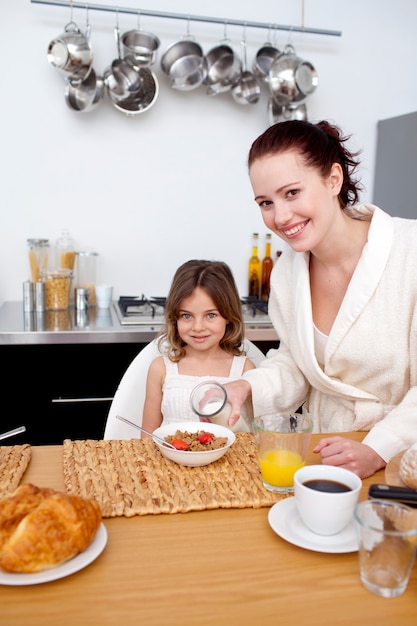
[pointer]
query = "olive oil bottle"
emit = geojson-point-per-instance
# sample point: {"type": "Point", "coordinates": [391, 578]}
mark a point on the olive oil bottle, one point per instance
{"type": "Point", "coordinates": [254, 269]}
{"type": "Point", "coordinates": [267, 265]}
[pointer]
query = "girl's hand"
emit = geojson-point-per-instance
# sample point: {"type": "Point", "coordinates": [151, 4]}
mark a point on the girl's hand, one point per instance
{"type": "Point", "coordinates": [352, 455]}
{"type": "Point", "coordinates": [237, 392]}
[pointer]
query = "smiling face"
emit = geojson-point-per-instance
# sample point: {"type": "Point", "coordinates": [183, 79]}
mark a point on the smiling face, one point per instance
{"type": "Point", "coordinates": [297, 204]}
{"type": "Point", "coordinates": [199, 323]}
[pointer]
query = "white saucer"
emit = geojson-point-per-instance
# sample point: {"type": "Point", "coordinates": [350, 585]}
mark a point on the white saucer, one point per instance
{"type": "Point", "coordinates": [284, 519]}
{"type": "Point", "coordinates": [69, 567]}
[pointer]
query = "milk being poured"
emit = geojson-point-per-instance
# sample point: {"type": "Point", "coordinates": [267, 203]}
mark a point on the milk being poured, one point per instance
{"type": "Point", "coordinates": [214, 412]}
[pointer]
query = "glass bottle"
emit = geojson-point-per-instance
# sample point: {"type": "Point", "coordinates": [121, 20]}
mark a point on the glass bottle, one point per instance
{"type": "Point", "coordinates": [65, 251]}
{"type": "Point", "coordinates": [267, 265]}
{"type": "Point", "coordinates": [254, 269]}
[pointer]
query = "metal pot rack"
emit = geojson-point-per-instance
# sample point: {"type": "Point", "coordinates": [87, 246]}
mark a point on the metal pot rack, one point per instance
{"type": "Point", "coordinates": [194, 18]}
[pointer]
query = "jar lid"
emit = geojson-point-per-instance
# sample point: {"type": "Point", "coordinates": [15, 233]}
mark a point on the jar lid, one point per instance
{"type": "Point", "coordinates": [38, 242]}
{"type": "Point", "coordinates": [58, 273]}
{"type": "Point", "coordinates": [87, 253]}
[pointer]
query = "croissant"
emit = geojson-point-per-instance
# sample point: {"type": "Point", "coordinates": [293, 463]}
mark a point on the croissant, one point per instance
{"type": "Point", "coordinates": [41, 528]}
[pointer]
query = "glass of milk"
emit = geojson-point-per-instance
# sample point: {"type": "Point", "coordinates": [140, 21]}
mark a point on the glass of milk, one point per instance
{"type": "Point", "coordinates": [209, 401]}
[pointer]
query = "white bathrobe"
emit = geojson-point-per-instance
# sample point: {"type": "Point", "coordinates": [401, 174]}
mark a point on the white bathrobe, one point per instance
{"type": "Point", "coordinates": [369, 378]}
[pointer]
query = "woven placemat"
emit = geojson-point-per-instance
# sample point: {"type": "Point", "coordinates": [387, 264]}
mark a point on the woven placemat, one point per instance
{"type": "Point", "coordinates": [13, 463]}
{"type": "Point", "coordinates": [132, 477]}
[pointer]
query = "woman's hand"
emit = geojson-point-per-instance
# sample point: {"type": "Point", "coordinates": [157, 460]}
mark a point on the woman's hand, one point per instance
{"type": "Point", "coordinates": [237, 392]}
{"type": "Point", "coordinates": [352, 455]}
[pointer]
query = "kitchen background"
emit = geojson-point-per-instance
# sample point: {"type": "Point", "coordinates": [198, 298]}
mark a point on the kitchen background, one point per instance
{"type": "Point", "coordinates": [147, 192]}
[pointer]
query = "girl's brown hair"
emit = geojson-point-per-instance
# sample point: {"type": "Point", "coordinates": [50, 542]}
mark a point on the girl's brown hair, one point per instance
{"type": "Point", "coordinates": [216, 278]}
{"type": "Point", "coordinates": [320, 145]}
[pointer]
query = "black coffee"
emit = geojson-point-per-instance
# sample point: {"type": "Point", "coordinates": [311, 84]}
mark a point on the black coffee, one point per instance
{"type": "Point", "coordinates": [330, 486]}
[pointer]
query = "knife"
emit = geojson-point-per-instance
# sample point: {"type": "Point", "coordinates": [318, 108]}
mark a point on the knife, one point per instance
{"type": "Point", "coordinates": [406, 495]}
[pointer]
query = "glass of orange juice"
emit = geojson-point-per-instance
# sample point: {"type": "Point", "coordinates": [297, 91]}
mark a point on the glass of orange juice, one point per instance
{"type": "Point", "coordinates": [282, 443]}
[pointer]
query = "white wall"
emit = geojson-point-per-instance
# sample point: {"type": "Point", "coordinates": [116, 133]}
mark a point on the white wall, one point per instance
{"type": "Point", "coordinates": [151, 191]}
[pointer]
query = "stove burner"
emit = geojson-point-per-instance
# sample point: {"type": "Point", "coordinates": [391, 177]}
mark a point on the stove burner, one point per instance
{"type": "Point", "coordinates": [254, 306]}
{"type": "Point", "coordinates": [141, 311]}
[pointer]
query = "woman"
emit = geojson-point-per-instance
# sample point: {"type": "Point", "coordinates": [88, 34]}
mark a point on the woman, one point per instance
{"type": "Point", "coordinates": [343, 300]}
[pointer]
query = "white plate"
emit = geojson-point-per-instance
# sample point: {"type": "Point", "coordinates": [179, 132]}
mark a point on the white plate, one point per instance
{"type": "Point", "coordinates": [284, 519]}
{"type": "Point", "coordinates": [80, 561]}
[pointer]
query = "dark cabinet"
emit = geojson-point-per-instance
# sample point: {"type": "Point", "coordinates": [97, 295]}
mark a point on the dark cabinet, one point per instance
{"type": "Point", "coordinates": [64, 391]}
{"type": "Point", "coordinates": [61, 391]}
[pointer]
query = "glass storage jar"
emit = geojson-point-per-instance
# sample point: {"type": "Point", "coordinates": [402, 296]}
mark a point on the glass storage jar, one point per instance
{"type": "Point", "coordinates": [38, 257]}
{"type": "Point", "coordinates": [57, 288]}
{"type": "Point", "coordinates": [87, 273]}
{"type": "Point", "coordinates": [65, 251]}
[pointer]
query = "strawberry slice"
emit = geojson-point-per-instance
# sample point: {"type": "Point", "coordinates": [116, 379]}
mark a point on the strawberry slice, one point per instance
{"type": "Point", "coordinates": [180, 444]}
{"type": "Point", "coordinates": [205, 437]}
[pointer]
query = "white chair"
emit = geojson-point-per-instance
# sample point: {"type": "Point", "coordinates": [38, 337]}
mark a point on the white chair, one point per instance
{"type": "Point", "coordinates": [130, 395]}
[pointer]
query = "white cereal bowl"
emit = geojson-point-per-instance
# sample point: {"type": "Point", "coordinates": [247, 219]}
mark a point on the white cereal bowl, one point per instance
{"type": "Point", "coordinates": [194, 459]}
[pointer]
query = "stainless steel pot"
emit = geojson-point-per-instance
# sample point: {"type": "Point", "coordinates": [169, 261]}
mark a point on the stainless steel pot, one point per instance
{"type": "Point", "coordinates": [263, 61]}
{"type": "Point", "coordinates": [223, 69]}
{"type": "Point", "coordinates": [291, 79]}
{"type": "Point", "coordinates": [246, 89]}
{"type": "Point", "coordinates": [141, 100]}
{"type": "Point", "coordinates": [280, 113]}
{"type": "Point", "coordinates": [139, 48]}
{"type": "Point", "coordinates": [71, 53]}
{"type": "Point", "coordinates": [121, 78]}
{"type": "Point", "coordinates": [184, 63]}
{"type": "Point", "coordinates": [84, 96]}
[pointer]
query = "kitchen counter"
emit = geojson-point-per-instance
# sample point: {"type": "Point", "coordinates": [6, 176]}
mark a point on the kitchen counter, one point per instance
{"type": "Point", "coordinates": [80, 327]}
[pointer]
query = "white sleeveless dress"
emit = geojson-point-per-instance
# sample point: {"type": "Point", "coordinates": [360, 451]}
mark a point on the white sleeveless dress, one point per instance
{"type": "Point", "coordinates": [176, 390]}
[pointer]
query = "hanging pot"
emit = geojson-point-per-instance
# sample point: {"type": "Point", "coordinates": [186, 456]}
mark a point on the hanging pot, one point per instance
{"type": "Point", "coordinates": [139, 48]}
{"type": "Point", "coordinates": [184, 63]}
{"type": "Point", "coordinates": [246, 90]}
{"type": "Point", "coordinates": [84, 96]}
{"type": "Point", "coordinates": [291, 79]}
{"type": "Point", "coordinates": [223, 69]}
{"type": "Point", "coordinates": [280, 113]}
{"type": "Point", "coordinates": [71, 53]}
{"type": "Point", "coordinates": [121, 78]}
{"type": "Point", "coordinates": [141, 100]}
{"type": "Point", "coordinates": [263, 61]}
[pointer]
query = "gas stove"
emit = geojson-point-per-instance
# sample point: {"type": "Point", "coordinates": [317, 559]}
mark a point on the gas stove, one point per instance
{"type": "Point", "coordinates": [142, 311]}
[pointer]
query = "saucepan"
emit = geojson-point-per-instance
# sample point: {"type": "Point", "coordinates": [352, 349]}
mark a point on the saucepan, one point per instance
{"type": "Point", "coordinates": [223, 68]}
{"type": "Point", "coordinates": [140, 48]}
{"type": "Point", "coordinates": [246, 89]}
{"type": "Point", "coordinates": [121, 78]}
{"type": "Point", "coordinates": [71, 53]}
{"type": "Point", "coordinates": [142, 99]}
{"type": "Point", "coordinates": [291, 79]}
{"type": "Point", "coordinates": [279, 112]}
{"type": "Point", "coordinates": [263, 60]}
{"type": "Point", "coordinates": [84, 96]}
{"type": "Point", "coordinates": [184, 63]}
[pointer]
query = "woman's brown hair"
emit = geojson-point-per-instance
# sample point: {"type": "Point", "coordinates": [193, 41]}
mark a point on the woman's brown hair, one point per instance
{"type": "Point", "coordinates": [216, 278]}
{"type": "Point", "coordinates": [320, 145]}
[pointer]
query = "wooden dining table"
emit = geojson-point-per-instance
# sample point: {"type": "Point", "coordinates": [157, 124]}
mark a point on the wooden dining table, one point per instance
{"type": "Point", "coordinates": [223, 567]}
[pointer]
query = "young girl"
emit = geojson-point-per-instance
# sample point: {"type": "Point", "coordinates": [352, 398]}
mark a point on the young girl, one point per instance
{"type": "Point", "coordinates": [202, 340]}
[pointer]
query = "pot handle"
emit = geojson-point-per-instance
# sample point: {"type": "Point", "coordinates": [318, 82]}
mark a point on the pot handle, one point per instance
{"type": "Point", "coordinates": [117, 37]}
{"type": "Point", "coordinates": [72, 27]}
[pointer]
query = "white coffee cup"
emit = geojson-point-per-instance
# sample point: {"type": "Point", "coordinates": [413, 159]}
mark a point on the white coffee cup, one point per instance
{"type": "Point", "coordinates": [104, 294]}
{"type": "Point", "coordinates": [326, 512]}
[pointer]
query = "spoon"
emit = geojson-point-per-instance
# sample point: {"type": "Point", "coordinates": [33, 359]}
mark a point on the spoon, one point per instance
{"type": "Point", "coordinates": [147, 432]}
{"type": "Point", "coordinates": [12, 433]}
